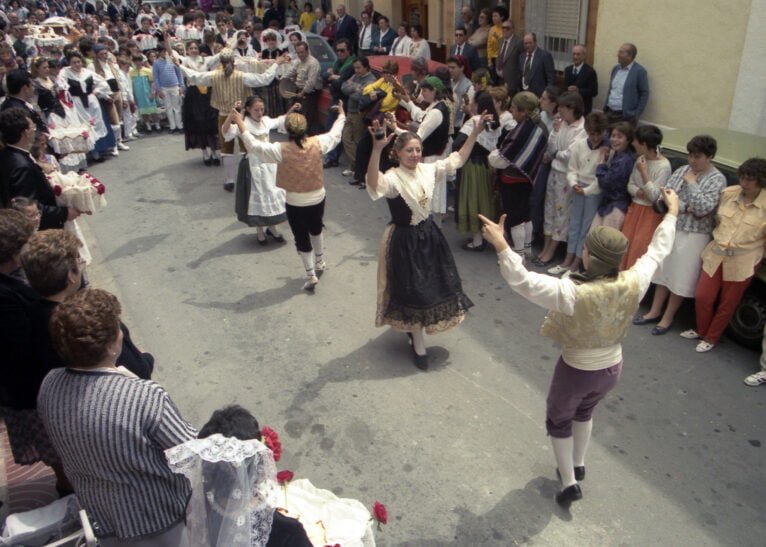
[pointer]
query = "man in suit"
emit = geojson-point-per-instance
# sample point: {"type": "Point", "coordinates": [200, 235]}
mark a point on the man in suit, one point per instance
{"type": "Point", "coordinates": [580, 77]}
{"type": "Point", "coordinates": [369, 7]}
{"type": "Point", "coordinates": [464, 49]}
{"type": "Point", "coordinates": [628, 87]}
{"type": "Point", "coordinates": [382, 37]}
{"type": "Point", "coordinates": [537, 71]}
{"type": "Point", "coordinates": [507, 63]}
{"type": "Point", "coordinates": [345, 26]}
{"type": "Point", "coordinates": [364, 43]}
{"type": "Point", "coordinates": [20, 92]}
{"type": "Point", "coordinates": [21, 176]}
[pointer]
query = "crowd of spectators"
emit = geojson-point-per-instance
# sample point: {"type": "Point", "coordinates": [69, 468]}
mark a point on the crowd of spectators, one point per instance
{"type": "Point", "coordinates": [550, 160]}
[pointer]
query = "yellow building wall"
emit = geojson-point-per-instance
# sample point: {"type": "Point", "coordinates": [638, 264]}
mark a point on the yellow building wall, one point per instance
{"type": "Point", "coordinates": [690, 49]}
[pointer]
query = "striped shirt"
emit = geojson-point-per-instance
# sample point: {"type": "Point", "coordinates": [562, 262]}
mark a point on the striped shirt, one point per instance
{"type": "Point", "coordinates": [166, 74]}
{"type": "Point", "coordinates": [111, 432]}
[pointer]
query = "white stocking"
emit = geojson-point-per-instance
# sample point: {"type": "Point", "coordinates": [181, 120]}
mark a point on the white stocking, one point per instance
{"type": "Point", "coordinates": [228, 165]}
{"type": "Point", "coordinates": [517, 237]}
{"type": "Point", "coordinates": [477, 239]}
{"type": "Point", "coordinates": [419, 341]}
{"type": "Point", "coordinates": [562, 449]}
{"type": "Point", "coordinates": [205, 153]}
{"type": "Point", "coordinates": [317, 243]}
{"type": "Point", "coordinates": [117, 133]}
{"type": "Point", "coordinates": [581, 432]}
{"type": "Point", "coordinates": [308, 262]}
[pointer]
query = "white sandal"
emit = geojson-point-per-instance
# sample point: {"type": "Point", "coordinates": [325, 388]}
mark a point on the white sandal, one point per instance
{"type": "Point", "coordinates": [690, 334]}
{"type": "Point", "coordinates": [704, 347]}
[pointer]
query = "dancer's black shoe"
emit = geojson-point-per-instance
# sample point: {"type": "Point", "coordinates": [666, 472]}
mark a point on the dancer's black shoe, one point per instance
{"type": "Point", "coordinates": [569, 494]}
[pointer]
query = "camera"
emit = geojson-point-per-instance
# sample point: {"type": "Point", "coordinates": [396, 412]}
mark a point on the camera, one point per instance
{"type": "Point", "coordinates": [659, 206]}
{"type": "Point", "coordinates": [491, 125]}
{"type": "Point", "coordinates": [380, 134]}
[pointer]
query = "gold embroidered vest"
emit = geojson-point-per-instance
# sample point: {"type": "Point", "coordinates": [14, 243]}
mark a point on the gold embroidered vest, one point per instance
{"type": "Point", "coordinates": [227, 91]}
{"type": "Point", "coordinates": [301, 168]}
{"type": "Point", "coordinates": [603, 312]}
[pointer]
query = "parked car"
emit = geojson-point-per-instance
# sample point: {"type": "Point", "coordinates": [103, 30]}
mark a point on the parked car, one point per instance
{"type": "Point", "coordinates": [746, 327]}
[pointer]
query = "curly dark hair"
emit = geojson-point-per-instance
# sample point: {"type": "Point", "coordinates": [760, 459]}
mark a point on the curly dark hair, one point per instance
{"type": "Point", "coordinates": [84, 325]}
{"type": "Point", "coordinates": [15, 229]}
{"type": "Point", "coordinates": [232, 421]}
{"type": "Point", "coordinates": [754, 168]}
{"type": "Point", "coordinates": [702, 144]}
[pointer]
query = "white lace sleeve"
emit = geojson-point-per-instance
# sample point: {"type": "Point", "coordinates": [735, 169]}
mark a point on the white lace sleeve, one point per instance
{"type": "Point", "coordinates": [448, 166]}
{"type": "Point", "coordinates": [387, 186]}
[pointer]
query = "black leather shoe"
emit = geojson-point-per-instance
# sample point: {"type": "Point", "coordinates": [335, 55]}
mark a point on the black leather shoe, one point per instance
{"type": "Point", "coordinates": [276, 237]}
{"type": "Point", "coordinates": [329, 164]}
{"type": "Point", "coordinates": [580, 473]}
{"type": "Point", "coordinates": [642, 320]}
{"type": "Point", "coordinates": [208, 162]}
{"type": "Point", "coordinates": [353, 182]}
{"type": "Point", "coordinates": [217, 161]}
{"type": "Point", "coordinates": [421, 361]}
{"type": "Point", "coordinates": [569, 494]}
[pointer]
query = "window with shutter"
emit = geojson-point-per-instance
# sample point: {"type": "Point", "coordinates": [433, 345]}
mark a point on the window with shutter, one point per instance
{"type": "Point", "coordinates": [565, 26]}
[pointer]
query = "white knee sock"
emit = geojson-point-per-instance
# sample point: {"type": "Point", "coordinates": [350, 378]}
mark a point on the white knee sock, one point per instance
{"type": "Point", "coordinates": [477, 239]}
{"type": "Point", "coordinates": [117, 133]}
{"type": "Point", "coordinates": [528, 233]}
{"type": "Point", "coordinates": [581, 432]}
{"type": "Point", "coordinates": [317, 243]}
{"type": "Point", "coordinates": [205, 153]}
{"type": "Point", "coordinates": [229, 162]}
{"type": "Point", "coordinates": [562, 449]}
{"type": "Point", "coordinates": [517, 237]}
{"type": "Point", "coordinates": [259, 230]}
{"type": "Point", "coordinates": [308, 263]}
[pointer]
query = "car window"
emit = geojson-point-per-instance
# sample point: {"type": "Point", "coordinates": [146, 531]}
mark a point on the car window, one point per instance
{"type": "Point", "coordinates": [320, 49]}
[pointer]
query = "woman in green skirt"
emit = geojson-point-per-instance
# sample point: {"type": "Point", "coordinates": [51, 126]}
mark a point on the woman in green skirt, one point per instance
{"type": "Point", "coordinates": [475, 194]}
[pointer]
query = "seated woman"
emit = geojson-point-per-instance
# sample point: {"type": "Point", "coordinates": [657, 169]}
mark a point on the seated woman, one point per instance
{"type": "Point", "coordinates": [110, 429]}
{"type": "Point", "coordinates": [234, 489]}
{"type": "Point", "coordinates": [612, 174]}
{"type": "Point", "coordinates": [734, 255]}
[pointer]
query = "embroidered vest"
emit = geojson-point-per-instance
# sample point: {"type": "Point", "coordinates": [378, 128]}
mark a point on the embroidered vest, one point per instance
{"type": "Point", "coordinates": [301, 168]}
{"type": "Point", "coordinates": [603, 312]}
{"type": "Point", "coordinates": [436, 142]}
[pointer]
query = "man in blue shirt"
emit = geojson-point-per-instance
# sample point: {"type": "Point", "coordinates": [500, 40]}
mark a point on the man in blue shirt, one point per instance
{"type": "Point", "coordinates": [628, 88]}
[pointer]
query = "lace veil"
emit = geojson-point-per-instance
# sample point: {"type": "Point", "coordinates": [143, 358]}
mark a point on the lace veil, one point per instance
{"type": "Point", "coordinates": [234, 490]}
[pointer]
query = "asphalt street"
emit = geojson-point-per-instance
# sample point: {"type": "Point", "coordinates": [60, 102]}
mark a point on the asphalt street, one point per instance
{"type": "Point", "coordinates": [458, 454]}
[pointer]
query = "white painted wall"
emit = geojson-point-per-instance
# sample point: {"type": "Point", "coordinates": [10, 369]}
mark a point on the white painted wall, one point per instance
{"type": "Point", "coordinates": [748, 110]}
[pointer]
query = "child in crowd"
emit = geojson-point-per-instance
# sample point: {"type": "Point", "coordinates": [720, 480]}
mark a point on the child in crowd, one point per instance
{"type": "Point", "coordinates": [141, 78]}
{"type": "Point", "coordinates": [613, 173]}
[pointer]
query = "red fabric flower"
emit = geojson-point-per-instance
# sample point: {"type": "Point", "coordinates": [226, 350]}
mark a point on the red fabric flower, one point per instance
{"type": "Point", "coordinates": [84, 134]}
{"type": "Point", "coordinates": [380, 512]}
{"type": "Point", "coordinates": [285, 476]}
{"type": "Point", "coordinates": [271, 439]}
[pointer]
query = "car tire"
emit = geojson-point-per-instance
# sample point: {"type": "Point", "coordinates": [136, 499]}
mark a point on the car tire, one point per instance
{"type": "Point", "coordinates": [746, 327]}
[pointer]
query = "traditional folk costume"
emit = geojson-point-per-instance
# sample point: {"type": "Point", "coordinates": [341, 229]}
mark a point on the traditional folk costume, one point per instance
{"type": "Point", "coordinates": [418, 282]}
{"type": "Point", "coordinates": [300, 174]}
{"type": "Point", "coordinates": [475, 195]}
{"type": "Point", "coordinates": [589, 316]}
{"type": "Point", "coordinates": [642, 220]}
{"type": "Point", "coordinates": [517, 161]}
{"type": "Point", "coordinates": [85, 89]}
{"type": "Point", "coordinates": [275, 104]}
{"type": "Point", "coordinates": [200, 119]}
{"type": "Point", "coordinates": [558, 193]}
{"type": "Point", "coordinates": [227, 90]}
{"type": "Point", "coordinates": [258, 200]}
{"type": "Point", "coordinates": [434, 130]}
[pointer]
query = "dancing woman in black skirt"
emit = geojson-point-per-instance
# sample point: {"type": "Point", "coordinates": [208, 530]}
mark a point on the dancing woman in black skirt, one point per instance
{"type": "Point", "coordinates": [419, 289]}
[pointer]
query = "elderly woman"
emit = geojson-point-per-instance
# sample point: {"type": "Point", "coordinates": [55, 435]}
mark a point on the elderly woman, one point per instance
{"type": "Point", "coordinates": [517, 160]}
{"type": "Point", "coordinates": [699, 185]}
{"type": "Point", "coordinates": [419, 289]}
{"type": "Point", "coordinates": [111, 429]}
{"type": "Point", "coordinates": [589, 315]}
{"type": "Point", "coordinates": [419, 47]}
{"type": "Point", "coordinates": [730, 260]}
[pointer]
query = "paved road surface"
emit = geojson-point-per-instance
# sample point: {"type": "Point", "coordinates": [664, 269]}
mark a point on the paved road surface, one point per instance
{"type": "Point", "coordinates": [458, 454]}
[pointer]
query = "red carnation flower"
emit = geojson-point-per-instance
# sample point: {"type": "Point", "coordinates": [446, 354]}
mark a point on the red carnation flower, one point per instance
{"type": "Point", "coordinates": [57, 190]}
{"type": "Point", "coordinates": [100, 188]}
{"type": "Point", "coordinates": [271, 439]}
{"type": "Point", "coordinates": [380, 512]}
{"type": "Point", "coordinates": [284, 477]}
